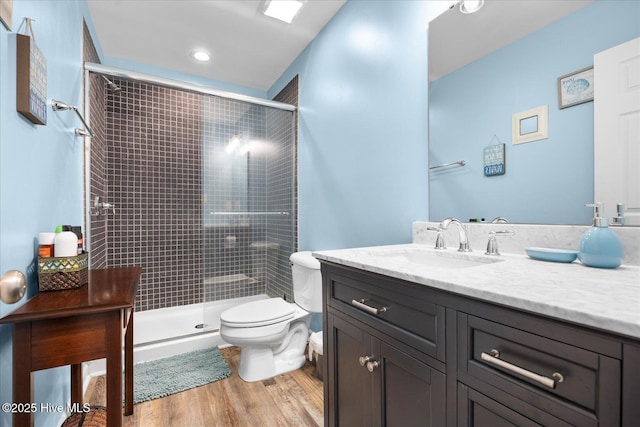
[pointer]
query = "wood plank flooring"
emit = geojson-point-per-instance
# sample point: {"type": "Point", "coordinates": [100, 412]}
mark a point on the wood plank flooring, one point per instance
{"type": "Point", "coordinates": [292, 399]}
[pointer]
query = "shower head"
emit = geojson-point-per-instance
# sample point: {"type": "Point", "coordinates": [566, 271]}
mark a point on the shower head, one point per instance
{"type": "Point", "coordinates": [61, 106]}
{"type": "Point", "coordinates": [114, 88]}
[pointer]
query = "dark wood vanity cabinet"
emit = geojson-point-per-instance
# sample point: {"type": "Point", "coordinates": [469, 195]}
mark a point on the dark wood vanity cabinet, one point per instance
{"type": "Point", "coordinates": [547, 372]}
{"type": "Point", "coordinates": [401, 354]}
{"type": "Point", "coordinates": [376, 378]}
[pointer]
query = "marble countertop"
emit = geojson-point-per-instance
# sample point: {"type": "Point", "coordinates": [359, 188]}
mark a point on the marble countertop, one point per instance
{"type": "Point", "coordinates": [607, 299]}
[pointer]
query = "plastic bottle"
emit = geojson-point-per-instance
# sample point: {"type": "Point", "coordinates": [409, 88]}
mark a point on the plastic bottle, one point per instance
{"type": "Point", "coordinates": [78, 232]}
{"type": "Point", "coordinates": [45, 244]}
{"type": "Point", "coordinates": [66, 244]}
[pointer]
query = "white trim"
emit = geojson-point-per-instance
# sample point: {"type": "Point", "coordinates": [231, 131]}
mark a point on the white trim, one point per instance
{"type": "Point", "coordinates": [542, 132]}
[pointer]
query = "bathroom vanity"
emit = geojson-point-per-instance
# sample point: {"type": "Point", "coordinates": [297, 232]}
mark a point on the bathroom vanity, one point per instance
{"type": "Point", "coordinates": [477, 340]}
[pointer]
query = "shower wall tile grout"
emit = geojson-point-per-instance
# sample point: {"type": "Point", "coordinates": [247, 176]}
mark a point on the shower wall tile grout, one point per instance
{"type": "Point", "coordinates": [160, 159]}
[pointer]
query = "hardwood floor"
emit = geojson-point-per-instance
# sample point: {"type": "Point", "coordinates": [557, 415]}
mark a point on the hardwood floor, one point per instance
{"type": "Point", "coordinates": [292, 399]}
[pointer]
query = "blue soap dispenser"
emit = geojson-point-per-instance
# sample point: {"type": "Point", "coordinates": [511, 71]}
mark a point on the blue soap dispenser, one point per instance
{"type": "Point", "coordinates": [599, 246]}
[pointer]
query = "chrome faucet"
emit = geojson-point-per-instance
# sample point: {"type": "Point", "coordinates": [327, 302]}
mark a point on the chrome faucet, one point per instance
{"type": "Point", "coordinates": [439, 237]}
{"type": "Point", "coordinates": [101, 207]}
{"type": "Point", "coordinates": [619, 219]}
{"type": "Point", "coordinates": [492, 244]}
{"type": "Point", "coordinates": [464, 241]}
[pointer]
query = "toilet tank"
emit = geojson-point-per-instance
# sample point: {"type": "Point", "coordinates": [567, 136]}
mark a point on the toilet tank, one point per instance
{"type": "Point", "coordinates": [307, 281]}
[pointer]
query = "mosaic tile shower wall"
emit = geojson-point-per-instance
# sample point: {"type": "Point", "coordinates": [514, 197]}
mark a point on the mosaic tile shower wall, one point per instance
{"type": "Point", "coordinates": [191, 177]}
{"type": "Point", "coordinates": [98, 184]}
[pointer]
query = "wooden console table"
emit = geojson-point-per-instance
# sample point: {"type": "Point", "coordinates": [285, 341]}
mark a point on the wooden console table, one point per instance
{"type": "Point", "coordinates": [58, 328]}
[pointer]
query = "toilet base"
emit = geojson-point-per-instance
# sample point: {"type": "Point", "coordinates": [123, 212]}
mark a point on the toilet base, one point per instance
{"type": "Point", "coordinates": [260, 362]}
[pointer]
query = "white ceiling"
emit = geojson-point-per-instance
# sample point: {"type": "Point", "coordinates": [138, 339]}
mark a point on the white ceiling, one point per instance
{"type": "Point", "coordinates": [247, 48]}
{"type": "Point", "coordinates": [253, 50]}
{"type": "Point", "coordinates": [456, 40]}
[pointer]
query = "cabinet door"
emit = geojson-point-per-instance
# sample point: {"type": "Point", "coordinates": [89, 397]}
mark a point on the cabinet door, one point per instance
{"type": "Point", "coordinates": [349, 385]}
{"type": "Point", "coordinates": [411, 392]}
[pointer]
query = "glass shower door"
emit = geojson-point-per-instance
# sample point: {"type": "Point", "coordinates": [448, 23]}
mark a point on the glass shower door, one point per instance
{"type": "Point", "coordinates": [248, 204]}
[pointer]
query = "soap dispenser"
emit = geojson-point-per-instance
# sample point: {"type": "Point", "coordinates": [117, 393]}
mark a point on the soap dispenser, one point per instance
{"type": "Point", "coordinates": [599, 246]}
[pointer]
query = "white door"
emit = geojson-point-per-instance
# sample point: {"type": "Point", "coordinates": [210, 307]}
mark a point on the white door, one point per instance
{"type": "Point", "coordinates": [617, 129]}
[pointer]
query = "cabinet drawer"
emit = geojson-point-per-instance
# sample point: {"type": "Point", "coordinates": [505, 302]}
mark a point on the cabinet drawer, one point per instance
{"type": "Point", "coordinates": [476, 409]}
{"type": "Point", "coordinates": [394, 309]}
{"type": "Point", "coordinates": [532, 366]}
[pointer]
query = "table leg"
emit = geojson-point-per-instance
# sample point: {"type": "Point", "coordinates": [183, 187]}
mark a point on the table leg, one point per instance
{"type": "Point", "coordinates": [76, 384]}
{"type": "Point", "coordinates": [128, 367]}
{"type": "Point", "coordinates": [22, 378]}
{"type": "Point", "coordinates": [113, 346]}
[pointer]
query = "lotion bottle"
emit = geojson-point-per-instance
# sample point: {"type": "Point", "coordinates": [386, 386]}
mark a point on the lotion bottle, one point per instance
{"type": "Point", "coordinates": [65, 244]}
{"type": "Point", "coordinates": [599, 246]}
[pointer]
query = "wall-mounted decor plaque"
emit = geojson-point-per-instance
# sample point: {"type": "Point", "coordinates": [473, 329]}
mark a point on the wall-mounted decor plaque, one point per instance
{"type": "Point", "coordinates": [494, 159]}
{"type": "Point", "coordinates": [31, 80]}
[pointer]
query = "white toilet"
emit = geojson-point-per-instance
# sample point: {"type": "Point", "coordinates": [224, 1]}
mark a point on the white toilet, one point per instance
{"type": "Point", "coordinates": [273, 333]}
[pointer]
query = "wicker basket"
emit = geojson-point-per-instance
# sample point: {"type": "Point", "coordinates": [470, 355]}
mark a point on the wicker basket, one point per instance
{"type": "Point", "coordinates": [95, 417]}
{"type": "Point", "coordinates": [59, 273]}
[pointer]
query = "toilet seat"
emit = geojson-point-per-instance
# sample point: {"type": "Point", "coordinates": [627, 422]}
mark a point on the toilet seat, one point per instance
{"type": "Point", "coordinates": [258, 313]}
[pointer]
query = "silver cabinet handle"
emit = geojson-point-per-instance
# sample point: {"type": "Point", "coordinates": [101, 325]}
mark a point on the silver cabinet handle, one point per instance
{"type": "Point", "coordinates": [362, 306]}
{"type": "Point", "coordinates": [369, 362]}
{"type": "Point", "coordinates": [493, 358]}
{"type": "Point", "coordinates": [364, 359]}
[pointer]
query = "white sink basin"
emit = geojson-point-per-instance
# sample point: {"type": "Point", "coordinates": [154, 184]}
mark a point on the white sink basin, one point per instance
{"type": "Point", "coordinates": [433, 258]}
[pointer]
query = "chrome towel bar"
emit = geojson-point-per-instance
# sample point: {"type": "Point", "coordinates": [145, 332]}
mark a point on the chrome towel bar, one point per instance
{"type": "Point", "coordinates": [249, 213]}
{"type": "Point", "coordinates": [446, 165]}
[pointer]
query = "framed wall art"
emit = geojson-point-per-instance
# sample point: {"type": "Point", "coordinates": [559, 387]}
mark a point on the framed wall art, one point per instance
{"type": "Point", "coordinates": [31, 78]}
{"type": "Point", "coordinates": [575, 88]}
{"type": "Point", "coordinates": [530, 125]}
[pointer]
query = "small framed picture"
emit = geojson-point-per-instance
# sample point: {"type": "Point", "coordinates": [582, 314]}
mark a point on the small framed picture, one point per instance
{"type": "Point", "coordinates": [530, 125]}
{"type": "Point", "coordinates": [575, 88]}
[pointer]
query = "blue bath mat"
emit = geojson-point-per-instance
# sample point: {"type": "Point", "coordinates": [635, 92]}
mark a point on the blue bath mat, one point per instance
{"type": "Point", "coordinates": [162, 377]}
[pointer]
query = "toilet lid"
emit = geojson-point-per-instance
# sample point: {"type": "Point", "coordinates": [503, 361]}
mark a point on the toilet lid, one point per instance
{"type": "Point", "coordinates": [258, 313]}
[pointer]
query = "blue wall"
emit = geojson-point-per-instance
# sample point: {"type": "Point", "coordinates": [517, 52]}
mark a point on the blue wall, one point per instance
{"type": "Point", "coordinates": [546, 181]}
{"type": "Point", "coordinates": [363, 125]}
{"type": "Point", "coordinates": [40, 169]}
{"type": "Point", "coordinates": [363, 141]}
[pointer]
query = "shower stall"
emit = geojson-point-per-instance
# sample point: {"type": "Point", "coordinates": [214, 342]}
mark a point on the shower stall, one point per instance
{"type": "Point", "coordinates": [197, 187]}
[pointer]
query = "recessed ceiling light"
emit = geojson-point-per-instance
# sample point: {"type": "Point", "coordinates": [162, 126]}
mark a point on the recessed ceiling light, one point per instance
{"type": "Point", "coordinates": [284, 10]}
{"type": "Point", "coordinates": [201, 55]}
{"type": "Point", "coordinates": [470, 6]}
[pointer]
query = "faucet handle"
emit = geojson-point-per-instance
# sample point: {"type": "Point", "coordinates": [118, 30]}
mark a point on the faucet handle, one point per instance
{"type": "Point", "coordinates": [439, 237]}
{"type": "Point", "coordinates": [619, 219]}
{"type": "Point", "coordinates": [492, 244]}
{"type": "Point", "coordinates": [499, 220]}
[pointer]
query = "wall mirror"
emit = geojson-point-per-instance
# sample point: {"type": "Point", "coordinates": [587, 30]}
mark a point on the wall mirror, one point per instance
{"type": "Point", "coordinates": [505, 59]}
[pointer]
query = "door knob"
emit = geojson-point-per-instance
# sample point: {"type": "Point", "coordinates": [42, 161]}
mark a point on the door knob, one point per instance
{"type": "Point", "coordinates": [12, 286]}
